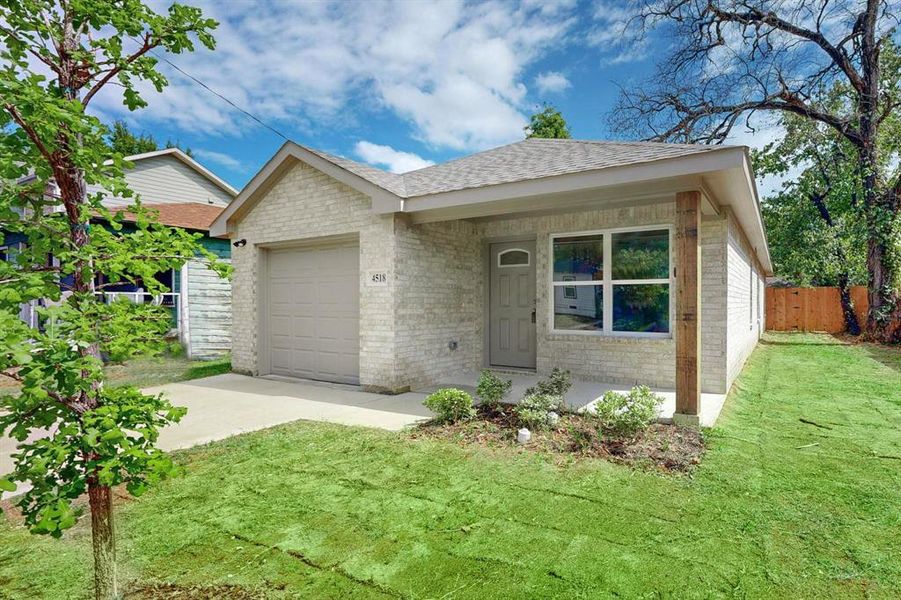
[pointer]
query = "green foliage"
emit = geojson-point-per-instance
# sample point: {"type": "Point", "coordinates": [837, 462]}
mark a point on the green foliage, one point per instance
{"type": "Point", "coordinates": [123, 141]}
{"type": "Point", "coordinates": [547, 123]}
{"type": "Point", "coordinates": [533, 411]}
{"type": "Point", "coordinates": [126, 143]}
{"type": "Point", "coordinates": [115, 442]}
{"type": "Point", "coordinates": [625, 415]}
{"type": "Point", "coordinates": [451, 405]}
{"type": "Point", "coordinates": [556, 384]}
{"type": "Point", "coordinates": [99, 435]}
{"type": "Point", "coordinates": [492, 389]}
{"type": "Point", "coordinates": [815, 228]}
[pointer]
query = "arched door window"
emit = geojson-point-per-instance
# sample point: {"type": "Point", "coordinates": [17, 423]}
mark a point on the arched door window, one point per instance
{"type": "Point", "coordinates": [514, 257]}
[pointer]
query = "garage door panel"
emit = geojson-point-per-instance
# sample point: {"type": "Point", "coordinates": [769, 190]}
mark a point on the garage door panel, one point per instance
{"type": "Point", "coordinates": [305, 292]}
{"type": "Point", "coordinates": [314, 327]}
{"type": "Point", "coordinates": [281, 292]}
{"type": "Point", "coordinates": [304, 328]}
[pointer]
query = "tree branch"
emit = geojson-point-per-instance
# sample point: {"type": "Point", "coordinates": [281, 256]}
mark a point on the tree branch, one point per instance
{"type": "Point", "coordinates": [756, 17]}
{"type": "Point", "coordinates": [53, 66]}
{"type": "Point", "coordinates": [29, 130]}
{"type": "Point", "coordinates": [146, 47]}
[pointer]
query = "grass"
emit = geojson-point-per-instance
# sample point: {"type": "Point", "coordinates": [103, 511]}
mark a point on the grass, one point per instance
{"type": "Point", "coordinates": [778, 508]}
{"type": "Point", "coordinates": [151, 371]}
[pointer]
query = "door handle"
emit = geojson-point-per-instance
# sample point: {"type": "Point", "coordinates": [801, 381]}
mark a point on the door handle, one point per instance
{"type": "Point", "coordinates": [533, 315]}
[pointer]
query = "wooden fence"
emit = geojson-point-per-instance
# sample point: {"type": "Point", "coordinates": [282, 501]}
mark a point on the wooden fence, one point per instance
{"type": "Point", "coordinates": [811, 309]}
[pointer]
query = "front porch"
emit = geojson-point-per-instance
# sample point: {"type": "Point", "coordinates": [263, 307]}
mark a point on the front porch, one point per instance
{"type": "Point", "coordinates": [583, 393]}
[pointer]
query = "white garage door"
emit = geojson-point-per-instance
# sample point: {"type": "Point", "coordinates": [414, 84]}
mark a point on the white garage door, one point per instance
{"type": "Point", "coordinates": [314, 313]}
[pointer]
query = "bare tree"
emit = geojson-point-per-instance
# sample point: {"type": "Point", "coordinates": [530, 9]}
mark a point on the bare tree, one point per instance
{"type": "Point", "coordinates": [735, 58]}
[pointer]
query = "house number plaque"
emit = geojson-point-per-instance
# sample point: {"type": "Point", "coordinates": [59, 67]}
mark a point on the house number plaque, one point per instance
{"type": "Point", "coordinates": [376, 278]}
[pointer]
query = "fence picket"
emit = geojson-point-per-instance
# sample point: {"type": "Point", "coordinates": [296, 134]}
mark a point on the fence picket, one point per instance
{"type": "Point", "coordinates": [811, 309]}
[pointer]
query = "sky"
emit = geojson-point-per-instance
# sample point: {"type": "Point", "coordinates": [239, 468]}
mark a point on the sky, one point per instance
{"type": "Point", "coordinates": [399, 85]}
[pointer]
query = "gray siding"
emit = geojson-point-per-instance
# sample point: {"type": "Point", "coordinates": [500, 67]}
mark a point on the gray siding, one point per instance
{"type": "Point", "coordinates": [166, 179]}
{"type": "Point", "coordinates": [209, 312]}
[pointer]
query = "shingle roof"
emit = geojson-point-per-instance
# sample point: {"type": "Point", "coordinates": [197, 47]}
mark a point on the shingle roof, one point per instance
{"type": "Point", "coordinates": [533, 158]}
{"type": "Point", "coordinates": [392, 182]}
{"type": "Point", "coordinates": [188, 215]}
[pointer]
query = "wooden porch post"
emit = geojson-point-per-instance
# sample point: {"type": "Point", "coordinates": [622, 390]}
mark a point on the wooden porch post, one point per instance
{"type": "Point", "coordinates": [688, 308]}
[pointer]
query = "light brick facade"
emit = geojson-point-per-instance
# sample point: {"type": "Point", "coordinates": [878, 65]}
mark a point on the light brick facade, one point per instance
{"type": "Point", "coordinates": [429, 321]}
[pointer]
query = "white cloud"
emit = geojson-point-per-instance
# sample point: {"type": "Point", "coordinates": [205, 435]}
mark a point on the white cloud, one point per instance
{"type": "Point", "coordinates": [454, 70]}
{"type": "Point", "coordinates": [617, 34]}
{"type": "Point", "coordinates": [552, 82]}
{"type": "Point", "coordinates": [220, 159]}
{"type": "Point", "coordinates": [396, 160]}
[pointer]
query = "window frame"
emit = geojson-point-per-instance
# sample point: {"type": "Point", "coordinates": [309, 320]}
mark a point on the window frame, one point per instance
{"type": "Point", "coordinates": [607, 283]}
{"type": "Point", "coordinates": [569, 289]}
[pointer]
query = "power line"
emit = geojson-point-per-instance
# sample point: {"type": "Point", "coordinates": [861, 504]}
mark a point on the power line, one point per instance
{"type": "Point", "coordinates": [218, 95]}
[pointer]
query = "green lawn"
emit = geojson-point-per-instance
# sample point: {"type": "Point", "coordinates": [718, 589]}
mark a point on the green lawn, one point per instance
{"type": "Point", "coordinates": [151, 371]}
{"type": "Point", "coordinates": [778, 508]}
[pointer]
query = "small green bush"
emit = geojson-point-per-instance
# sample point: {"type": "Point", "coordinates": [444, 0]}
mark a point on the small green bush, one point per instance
{"type": "Point", "coordinates": [492, 389]}
{"type": "Point", "coordinates": [625, 415]}
{"type": "Point", "coordinates": [533, 410]}
{"type": "Point", "coordinates": [556, 384]}
{"type": "Point", "coordinates": [451, 405]}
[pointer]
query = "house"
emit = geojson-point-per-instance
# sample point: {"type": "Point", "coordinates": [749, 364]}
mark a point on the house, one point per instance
{"type": "Point", "coordinates": [624, 262]}
{"type": "Point", "coordinates": [187, 195]}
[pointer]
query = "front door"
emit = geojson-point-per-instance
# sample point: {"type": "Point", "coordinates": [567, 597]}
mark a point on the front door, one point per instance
{"type": "Point", "coordinates": [511, 294]}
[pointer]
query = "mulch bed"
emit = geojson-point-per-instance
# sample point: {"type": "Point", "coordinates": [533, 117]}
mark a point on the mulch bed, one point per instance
{"type": "Point", "coordinates": [662, 447]}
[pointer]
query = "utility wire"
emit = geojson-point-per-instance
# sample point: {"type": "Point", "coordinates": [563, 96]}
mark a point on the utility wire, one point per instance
{"type": "Point", "coordinates": [218, 95]}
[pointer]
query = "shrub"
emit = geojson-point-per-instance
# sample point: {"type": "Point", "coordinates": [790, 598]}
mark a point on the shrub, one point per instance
{"type": "Point", "coordinates": [624, 415]}
{"type": "Point", "coordinates": [492, 389]}
{"type": "Point", "coordinates": [532, 411]}
{"type": "Point", "coordinates": [556, 384]}
{"type": "Point", "coordinates": [451, 405]}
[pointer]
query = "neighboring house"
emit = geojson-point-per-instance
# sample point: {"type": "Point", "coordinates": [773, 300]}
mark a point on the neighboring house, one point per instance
{"type": "Point", "coordinates": [189, 196]}
{"type": "Point", "coordinates": [597, 257]}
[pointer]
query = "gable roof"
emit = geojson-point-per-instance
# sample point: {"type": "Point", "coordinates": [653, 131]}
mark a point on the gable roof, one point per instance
{"type": "Point", "coordinates": [522, 170]}
{"type": "Point", "coordinates": [180, 155]}
{"type": "Point", "coordinates": [532, 158]}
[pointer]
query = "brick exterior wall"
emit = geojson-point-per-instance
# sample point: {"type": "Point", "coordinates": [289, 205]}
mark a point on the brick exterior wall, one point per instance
{"type": "Point", "coordinates": [745, 300]}
{"type": "Point", "coordinates": [623, 360]}
{"type": "Point", "coordinates": [438, 313]}
{"type": "Point", "coordinates": [306, 204]}
{"type": "Point", "coordinates": [429, 320]}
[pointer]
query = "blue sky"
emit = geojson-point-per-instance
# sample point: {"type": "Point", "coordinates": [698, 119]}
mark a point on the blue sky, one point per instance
{"type": "Point", "coordinates": [395, 84]}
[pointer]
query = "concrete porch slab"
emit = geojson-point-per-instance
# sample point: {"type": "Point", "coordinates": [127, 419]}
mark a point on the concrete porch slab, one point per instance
{"type": "Point", "coordinates": [584, 393]}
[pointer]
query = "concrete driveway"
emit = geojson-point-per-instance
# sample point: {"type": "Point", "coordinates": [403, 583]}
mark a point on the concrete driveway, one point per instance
{"type": "Point", "coordinates": [226, 405]}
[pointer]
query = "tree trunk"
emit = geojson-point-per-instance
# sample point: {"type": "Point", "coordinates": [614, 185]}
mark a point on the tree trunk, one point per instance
{"type": "Point", "coordinates": [104, 541]}
{"type": "Point", "coordinates": [852, 325]}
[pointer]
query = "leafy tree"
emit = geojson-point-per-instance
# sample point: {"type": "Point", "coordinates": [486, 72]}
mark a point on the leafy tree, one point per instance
{"type": "Point", "coordinates": [734, 58]}
{"type": "Point", "coordinates": [55, 57]}
{"type": "Point", "coordinates": [548, 123]}
{"type": "Point", "coordinates": [123, 141]}
{"type": "Point", "coordinates": [815, 233]}
{"type": "Point", "coordinates": [126, 143]}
